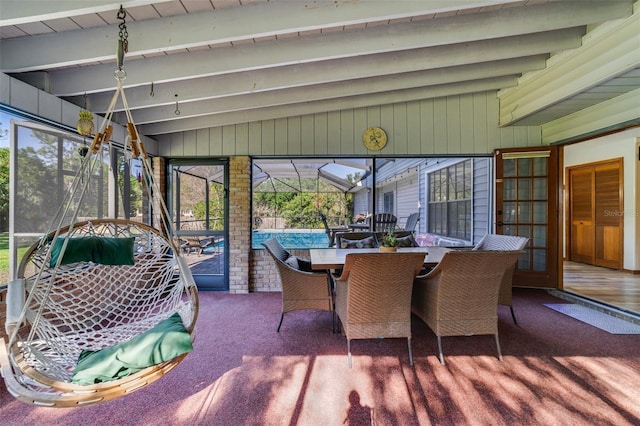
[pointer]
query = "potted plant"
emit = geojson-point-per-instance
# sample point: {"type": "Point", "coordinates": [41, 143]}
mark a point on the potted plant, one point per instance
{"type": "Point", "coordinates": [389, 242]}
{"type": "Point", "coordinates": [85, 123]}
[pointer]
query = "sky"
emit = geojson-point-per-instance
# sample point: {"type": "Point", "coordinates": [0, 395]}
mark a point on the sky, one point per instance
{"type": "Point", "coordinates": [5, 122]}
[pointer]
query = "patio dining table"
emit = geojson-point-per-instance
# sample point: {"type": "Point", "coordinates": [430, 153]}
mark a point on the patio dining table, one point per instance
{"type": "Point", "coordinates": [332, 258]}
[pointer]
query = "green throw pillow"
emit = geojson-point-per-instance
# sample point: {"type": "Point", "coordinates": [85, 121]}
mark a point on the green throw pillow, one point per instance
{"type": "Point", "coordinates": [163, 342]}
{"type": "Point", "coordinates": [104, 250]}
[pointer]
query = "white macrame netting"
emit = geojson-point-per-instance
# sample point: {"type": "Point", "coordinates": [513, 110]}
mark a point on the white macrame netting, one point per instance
{"type": "Point", "coordinates": [90, 306]}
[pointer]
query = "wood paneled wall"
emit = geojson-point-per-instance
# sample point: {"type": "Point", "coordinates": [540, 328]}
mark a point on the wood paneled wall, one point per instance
{"type": "Point", "coordinates": [454, 125]}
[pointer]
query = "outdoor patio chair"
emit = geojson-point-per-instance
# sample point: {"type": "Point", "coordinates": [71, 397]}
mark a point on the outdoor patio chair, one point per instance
{"type": "Point", "coordinates": [373, 296]}
{"type": "Point", "coordinates": [411, 222]}
{"type": "Point", "coordinates": [196, 243]}
{"type": "Point", "coordinates": [331, 230]}
{"type": "Point", "coordinates": [384, 222]}
{"type": "Point", "coordinates": [301, 288]}
{"type": "Point", "coordinates": [504, 242]}
{"type": "Point", "coordinates": [459, 297]}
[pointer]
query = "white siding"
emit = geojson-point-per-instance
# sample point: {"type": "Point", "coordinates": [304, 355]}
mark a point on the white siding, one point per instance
{"type": "Point", "coordinates": [407, 198]}
{"type": "Point", "coordinates": [400, 176]}
{"type": "Point", "coordinates": [482, 200]}
{"type": "Point", "coordinates": [361, 202]}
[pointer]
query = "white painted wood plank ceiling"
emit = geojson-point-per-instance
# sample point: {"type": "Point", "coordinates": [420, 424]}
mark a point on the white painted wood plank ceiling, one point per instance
{"type": "Point", "coordinates": [235, 61]}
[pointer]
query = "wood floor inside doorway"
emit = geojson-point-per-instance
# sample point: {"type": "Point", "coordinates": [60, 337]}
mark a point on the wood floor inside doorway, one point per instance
{"type": "Point", "coordinates": [608, 286]}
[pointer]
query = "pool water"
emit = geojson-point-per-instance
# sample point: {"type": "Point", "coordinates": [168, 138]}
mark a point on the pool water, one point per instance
{"type": "Point", "coordinates": [291, 238]}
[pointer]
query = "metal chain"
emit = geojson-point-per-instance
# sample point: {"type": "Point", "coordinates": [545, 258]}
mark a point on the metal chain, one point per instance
{"type": "Point", "coordinates": [123, 43]}
{"type": "Point", "coordinates": [124, 35]}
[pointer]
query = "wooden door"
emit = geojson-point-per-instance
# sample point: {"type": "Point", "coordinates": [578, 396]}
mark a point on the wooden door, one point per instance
{"type": "Point", "coordinates": [595, 213]}
{"type": "Point", "coordinates": [608, 215]}
{"type": "Point", "coordinates": [527, 201]}
{"type": "Point", "coordinates": [581, 206]}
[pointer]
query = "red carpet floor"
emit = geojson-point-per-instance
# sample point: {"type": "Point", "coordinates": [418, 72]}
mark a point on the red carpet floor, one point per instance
{"type": "Point", "coordinates": [556, 371]}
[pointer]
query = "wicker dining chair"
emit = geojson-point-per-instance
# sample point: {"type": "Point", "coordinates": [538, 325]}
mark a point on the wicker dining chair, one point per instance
{"type": "Point", "coordinates": [301, 289]}
{"type": "Point", "coordinates": [373, 296]}
{"type": "Point", "coordinates": [504, 242]}
{"type": "Point", "coordinates": [459, 297]}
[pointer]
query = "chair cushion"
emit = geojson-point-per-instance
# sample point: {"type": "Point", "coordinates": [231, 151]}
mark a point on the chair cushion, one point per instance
{"type": "Point", "coordinates": [159, 344]}
{"type": "Point", "coordinates": [368, 242]}
{"type": "Point", "coordinates": [292, 261]}
{"type": "Point", "coordinates": [298, 263]}
{"type": "Point", "coordinates": [103, 250]}
{"type": "Point", "coordinates": [305, 265]}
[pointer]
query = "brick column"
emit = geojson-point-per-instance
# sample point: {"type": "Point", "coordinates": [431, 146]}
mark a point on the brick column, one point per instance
{"type": "Point", "coordinates": [159, 175]}
{"type": "Point", "coordinates": [239, 225]}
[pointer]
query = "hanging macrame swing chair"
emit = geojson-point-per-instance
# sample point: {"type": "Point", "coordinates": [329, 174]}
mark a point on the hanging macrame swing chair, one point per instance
{"type": "Point", "coordinates": [108, 305]}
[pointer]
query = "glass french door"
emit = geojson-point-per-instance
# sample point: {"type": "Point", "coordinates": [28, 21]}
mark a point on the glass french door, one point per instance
{"type": "Point", "coordinates": [527, 201]}
{"type": "Point", "coordinates": [198, 204]}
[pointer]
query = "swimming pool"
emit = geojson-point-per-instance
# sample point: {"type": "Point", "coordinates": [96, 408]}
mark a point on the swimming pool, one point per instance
{"type": "Point", "coordinates": [291, 238]}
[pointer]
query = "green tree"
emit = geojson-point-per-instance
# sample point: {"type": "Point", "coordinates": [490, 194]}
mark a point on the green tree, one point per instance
{"type": "Point", "coordinates": [36, 192]}
{"type": "Point", "coordinates": [298, 201]}
{"type": "Point", "coordinates": [4, 178]}
{"type": "Point", "coordinates": [4, 189]}
{"type": "Point", "coordinates": [216, 207]}
{"type": "Point", "coordinates": [135, 188]}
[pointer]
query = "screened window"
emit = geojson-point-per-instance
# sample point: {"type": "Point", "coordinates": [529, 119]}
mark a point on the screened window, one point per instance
{"type": "Point", "coordinates": [45, 161]}
{"type": "Point", "coordinates": [298, 200]}
{"type": "Point", "coordinates": [314, 196]}
{"type": "Point", "coordinates": [450, 194]}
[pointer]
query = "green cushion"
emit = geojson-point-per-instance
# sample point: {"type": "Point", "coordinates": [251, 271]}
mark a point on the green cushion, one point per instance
{"type": "Point", "coordinates": [161, 343]}
{"type": "Point", "coordinates": [104, 250]}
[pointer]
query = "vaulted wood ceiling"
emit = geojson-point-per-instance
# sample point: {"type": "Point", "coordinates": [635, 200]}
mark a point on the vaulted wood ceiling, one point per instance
{"type": "Point", "coordinates": [220, 62]}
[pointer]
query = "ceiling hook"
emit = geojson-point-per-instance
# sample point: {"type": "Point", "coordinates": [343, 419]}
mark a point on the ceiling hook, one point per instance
{"type": "Point", "coordinates": [152, 93]}
{"type": "Point", "coordinates": [177, 111]}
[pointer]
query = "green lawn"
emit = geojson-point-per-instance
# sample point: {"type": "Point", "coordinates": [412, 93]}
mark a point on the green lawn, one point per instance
{"type": "Point", "coordinates": [4, 251]}
{"type": "Point", "coordinates": [4, 256]}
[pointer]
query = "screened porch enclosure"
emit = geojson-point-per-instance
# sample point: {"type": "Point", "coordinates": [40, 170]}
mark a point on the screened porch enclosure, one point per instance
{"type": "Point", "coordinates": [43, 164]}
{"type": "Point", "coordinates": [452, 198]}
{"type": "Point", "coordinates": [290, 193]}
